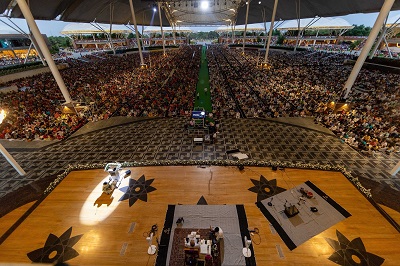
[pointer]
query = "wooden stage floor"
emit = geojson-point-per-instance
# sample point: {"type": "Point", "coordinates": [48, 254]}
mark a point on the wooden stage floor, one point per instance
{"type": "Point", "coordinates": [109, 237]}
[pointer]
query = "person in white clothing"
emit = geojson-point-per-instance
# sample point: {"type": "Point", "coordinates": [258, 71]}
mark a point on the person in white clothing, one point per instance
{"type": "Point", "coordinates": [219, 234]}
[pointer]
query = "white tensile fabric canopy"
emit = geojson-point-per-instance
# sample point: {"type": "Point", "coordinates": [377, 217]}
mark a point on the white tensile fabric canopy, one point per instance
{"type": "Point", "coordinates": [156, 29]}
{"type": "Point", "coordinates": [250, 27]}
{"type": "Point", "coordinates": [316, 23]}
{"type": "Point", "coordinates": [87, 28]}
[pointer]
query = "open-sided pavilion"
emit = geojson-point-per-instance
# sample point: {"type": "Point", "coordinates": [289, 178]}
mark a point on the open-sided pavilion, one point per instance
{"type": "Point", "coordinates": [193, 13]}
{"type": "Point", "coordinates": [175, 13]}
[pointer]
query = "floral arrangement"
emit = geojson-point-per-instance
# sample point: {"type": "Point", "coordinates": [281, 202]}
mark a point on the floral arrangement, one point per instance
{"type": "Point", "coordinates": [257, 163]}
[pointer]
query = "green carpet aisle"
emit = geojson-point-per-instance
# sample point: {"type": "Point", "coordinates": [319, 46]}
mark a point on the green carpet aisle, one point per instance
{"type": "Point", "coordinates": [203, 99]}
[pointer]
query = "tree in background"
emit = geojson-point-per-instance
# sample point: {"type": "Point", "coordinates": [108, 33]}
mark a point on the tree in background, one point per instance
{"type": "Point", "coordinates": [211, 35]}
{"type": "Point", "coordinates": [358, 30]}
{"type": "Point", "coordinates": [276, 32]}
{"type": "Point", "coordinates": [58, 42]}
{"type": "Point", "coordinates": [281, 39]}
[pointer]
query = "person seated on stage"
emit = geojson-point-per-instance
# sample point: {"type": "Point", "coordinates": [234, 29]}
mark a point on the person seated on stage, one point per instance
{"type": "Point", "coordinates": [108, 188]}
{"type": "Point", "coordinates": [219, 234]}
{"type": "Point", "coordinates": [216, 234]}
{"type": "Point", "coordinates": [192, 242]}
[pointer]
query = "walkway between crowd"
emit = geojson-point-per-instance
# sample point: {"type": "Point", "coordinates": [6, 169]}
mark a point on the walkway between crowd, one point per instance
{"type": "Point", "coordinates": [203, 98]}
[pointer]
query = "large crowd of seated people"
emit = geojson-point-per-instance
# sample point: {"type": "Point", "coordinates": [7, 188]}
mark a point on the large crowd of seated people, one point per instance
{"type": "Point", "coordinates": [8, 61]}
{"type": "Point", "coordinates": [112, 85]}
{"type": "Point", "coordinates": [297, 85]}
{"type": "Point", "coordinates": [303, 84]}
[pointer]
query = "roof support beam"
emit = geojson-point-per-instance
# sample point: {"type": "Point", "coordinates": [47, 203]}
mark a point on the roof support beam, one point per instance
{"type": "Point", "coordinates": [316, 35]}
{"type": "Point", "coordinates": [174, 32]}
{"type": "Point", "coordinates": [29, 36]}
{"type": "Point", "coordinates": [298, 23]}
{"type": "Point", "coordinates": [387, 47]}
{"type": "Point", "coordinates": [137, 34]}
{"type": "Point", "coordinates": [271, 29]}
{"type": "Point", "coordinates": [245, 26]}
{"type": "Point", "coordinates": [11, 160]}
{"type": "Point", "coordinates": [302, 31]}
{"type": "Point", "coordinates": [233, 31]}
{"type": "Point", "coordinates": [111, 23]}
{"type": "Point", "coordinates": [386, 7]}
{"type": "Point", "coordinates": [43, 47]}
{"type": "Point", "coordinates": [27, 53]}
{"type": "Point", "coordinates": [264, 17]}
{"type": "Point", "coordinates": [36, 45]}
{"type": "Point", "coordinates": [162, 31]}
{"type": "Point", "coordinates": [378, 42]}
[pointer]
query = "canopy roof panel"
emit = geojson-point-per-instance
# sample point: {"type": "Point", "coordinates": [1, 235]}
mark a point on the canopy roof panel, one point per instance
{"type": "Point", "coordinates": [202, 12]}
{"type": "Point", "coordinates": [87, 28]}
{"type": "Point", "coordinates": [316, 23]}
{"type": "Point", "coordinates": [157, 29]}
{"type": "Point", "coordinates": [250, 27]}
{"type": "Point", "coordinates": [219, 12]}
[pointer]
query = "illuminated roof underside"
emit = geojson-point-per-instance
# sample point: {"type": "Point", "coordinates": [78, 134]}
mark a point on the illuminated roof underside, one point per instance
{"type": "Point", "coordinates": [203, 12]}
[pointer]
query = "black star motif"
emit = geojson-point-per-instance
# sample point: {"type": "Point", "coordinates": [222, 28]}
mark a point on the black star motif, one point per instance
{"type": "Point", "coordinates": [137, 190]}
{"type": "Point", "coordinates": [265, 188]}
{"type": "Point", "coordinates": [202, 201]}
{"type": "Point", "coordinates": [346, 250]}
{"type": "Point", "coordinates": [61, 245]}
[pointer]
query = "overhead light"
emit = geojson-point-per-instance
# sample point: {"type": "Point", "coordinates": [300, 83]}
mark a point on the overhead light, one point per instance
{"type": "Point", "coordinates": [154, 9]}
{"type": "Point", "coordinates": [204, 5]}
{"type": "Point", "coordinates": [259, 2]}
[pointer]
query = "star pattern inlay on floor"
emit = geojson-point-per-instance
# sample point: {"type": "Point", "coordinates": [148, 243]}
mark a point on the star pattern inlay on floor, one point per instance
{"type": "Point", "coordinates": [167, 139]}
{"type": "Point", "coordinates": [137, 190]}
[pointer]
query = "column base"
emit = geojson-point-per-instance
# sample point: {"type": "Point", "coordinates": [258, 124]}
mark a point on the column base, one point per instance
{"type": "Point", "coordinates": [265, 66]}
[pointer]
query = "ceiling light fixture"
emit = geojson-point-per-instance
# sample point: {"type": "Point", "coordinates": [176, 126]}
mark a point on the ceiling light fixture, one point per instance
{"type": "Point", "coordinates": [204, 5]}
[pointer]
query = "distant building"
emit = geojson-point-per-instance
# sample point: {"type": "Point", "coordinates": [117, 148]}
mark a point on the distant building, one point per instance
{"type": "Point", "coordinates": [15, 45]}
{"type": "Point", "coordinates": [97, 36]}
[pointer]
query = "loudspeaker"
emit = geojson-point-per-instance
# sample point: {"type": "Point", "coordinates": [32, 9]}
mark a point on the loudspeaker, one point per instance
{"type": "Point", "coordinates": [274, 168]}
{"type": "Point", "coordinates": [241, 167]}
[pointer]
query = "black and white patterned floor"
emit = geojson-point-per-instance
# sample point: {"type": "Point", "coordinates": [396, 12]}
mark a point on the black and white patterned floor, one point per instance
{"type": "Point", "coordinates": [161, 139]}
